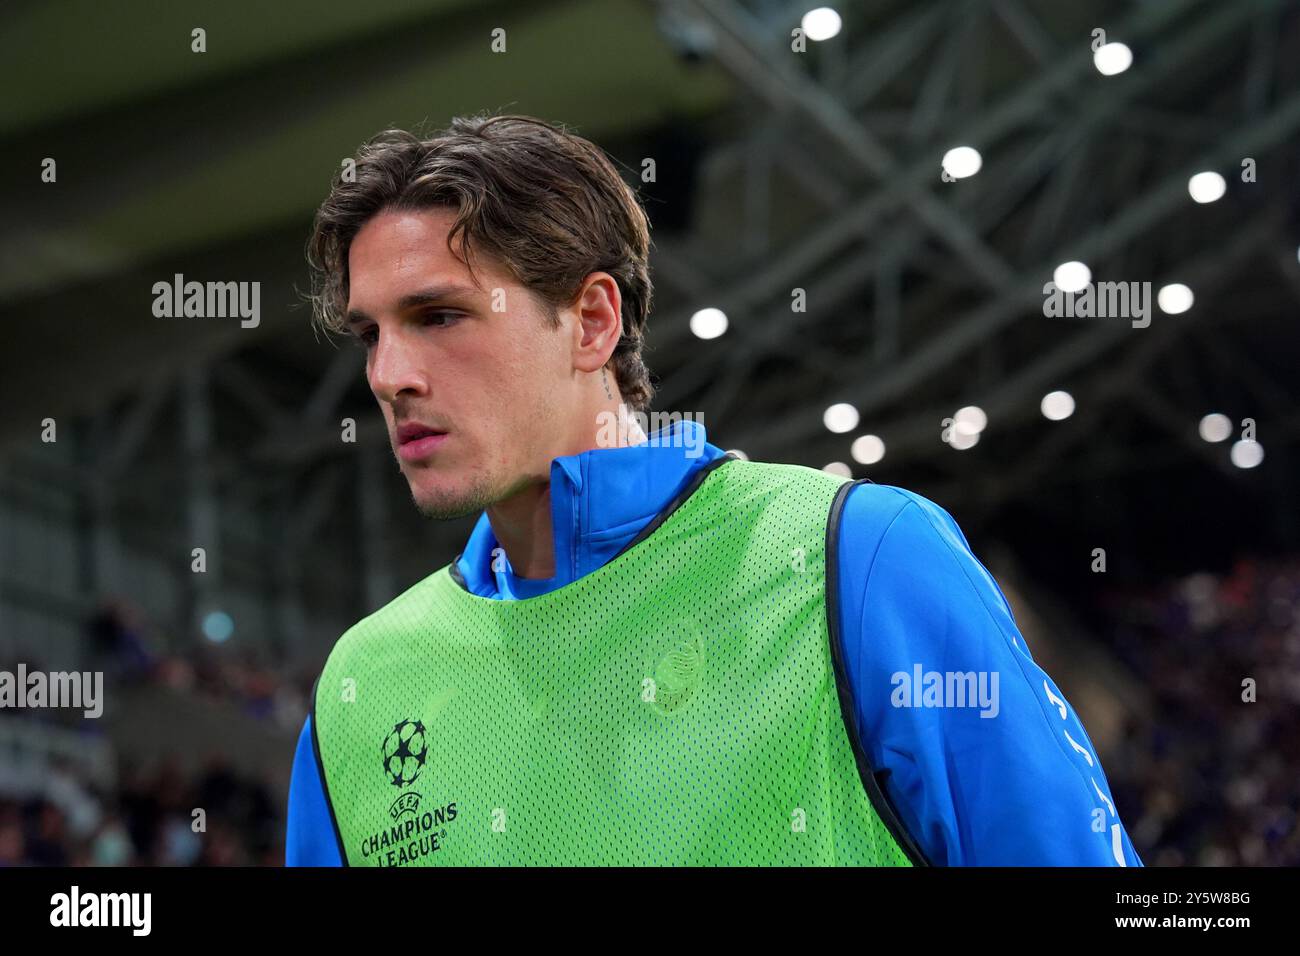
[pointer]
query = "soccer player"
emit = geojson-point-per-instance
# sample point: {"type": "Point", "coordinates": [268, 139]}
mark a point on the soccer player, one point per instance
{"type": "Point", "coordinates": [648, 651]}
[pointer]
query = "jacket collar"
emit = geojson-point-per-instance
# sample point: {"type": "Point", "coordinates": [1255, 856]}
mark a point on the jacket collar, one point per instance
{"type": "Point", "coordinates": [600, 500]}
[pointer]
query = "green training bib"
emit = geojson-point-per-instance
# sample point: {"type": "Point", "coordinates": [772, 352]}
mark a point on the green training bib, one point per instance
{"type": "Point", "coordinates": [679, 705]}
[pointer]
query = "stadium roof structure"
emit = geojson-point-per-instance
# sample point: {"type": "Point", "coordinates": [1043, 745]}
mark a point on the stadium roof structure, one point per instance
{"type": "Point", "coordinates": [776, 171]}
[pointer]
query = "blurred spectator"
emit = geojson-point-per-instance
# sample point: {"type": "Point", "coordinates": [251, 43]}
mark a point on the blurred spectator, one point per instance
{"type": "Point", "coordinates": [117, 643]}
{"type": "Point", "coordinates": [1214, 779]}
{"type": "Point", "coordinates": [148, 821]}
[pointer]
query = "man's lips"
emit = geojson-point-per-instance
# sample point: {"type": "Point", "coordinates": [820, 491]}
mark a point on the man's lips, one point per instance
{"type": "Point", "coordinates": [413, 431]}
{"type": "Point", "coordinates": [416, 440]}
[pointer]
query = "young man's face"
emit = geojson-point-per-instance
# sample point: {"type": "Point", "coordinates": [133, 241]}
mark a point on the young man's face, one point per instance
{"type": "Point", "coordinates": [474, 399]}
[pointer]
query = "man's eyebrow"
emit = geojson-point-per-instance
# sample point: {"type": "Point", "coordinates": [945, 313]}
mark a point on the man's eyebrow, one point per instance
{"type": "Point", "coordinates": [412, 300]}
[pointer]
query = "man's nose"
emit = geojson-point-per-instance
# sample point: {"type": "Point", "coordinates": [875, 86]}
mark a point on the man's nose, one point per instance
{"type": "Point", "coordinates": [393, 369]}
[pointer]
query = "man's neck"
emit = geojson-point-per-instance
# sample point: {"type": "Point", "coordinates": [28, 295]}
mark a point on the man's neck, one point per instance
{"type": "Point", "coordinates": [522, 522]}
{"type": "Point", "coordinates": [522, 525]}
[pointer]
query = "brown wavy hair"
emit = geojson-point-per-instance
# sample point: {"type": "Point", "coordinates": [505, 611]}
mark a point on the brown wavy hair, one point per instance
{"type": "Point", "coordinates": [545, 203]}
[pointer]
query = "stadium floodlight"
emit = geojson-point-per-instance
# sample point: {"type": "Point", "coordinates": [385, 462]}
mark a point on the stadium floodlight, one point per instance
{"type": "Point", "coordinates": [1207, 187]}
{"type": "Point", "coordinates": [970, 420]}
{"type": "Point", "coordinates": [841, 417]}
{"type": "Point", "coordinates": [1112, 58]}
{"type": "Point", "coordinates": [1215, 427]}
{"type": "Point", "coordinates": [821, 23]}
{"type": "Point", "coordinates": [1246, 453]}
{"type": "Point", "coordinates": [838, 468]}
{"type": "Point", "coordinates": [962, 441]}
{"type": "Point", "coordinates": [867, 449]}
{"type": "Point", "coordinates": [1175, 298]}
{"type": "Point", "coordinates": [1072, 276]}
{"type": "Point", "coordinates": [1057, 406]}
{"type": "Point", "coordinates": [962, 161]}
{"type": "Point", "coordinates": [709, 323]}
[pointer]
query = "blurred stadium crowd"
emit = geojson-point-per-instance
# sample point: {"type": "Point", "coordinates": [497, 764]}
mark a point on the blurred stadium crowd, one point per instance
{"type": "Point", "coordinates": [62, 812]}
{"type": "Point", "coordinates": [1205, 777]}
{"type": "Point", "coordinates": [1210, 779]}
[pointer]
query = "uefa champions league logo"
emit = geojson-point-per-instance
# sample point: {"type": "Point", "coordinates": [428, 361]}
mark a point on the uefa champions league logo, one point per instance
{"type": "Point", "coordinates": [413, 834]}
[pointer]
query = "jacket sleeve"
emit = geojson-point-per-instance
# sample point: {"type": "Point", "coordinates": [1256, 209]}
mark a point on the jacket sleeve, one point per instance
{"type": "Point", "coordinates": [988, 768]}
{"type": "Point", "coordinates": [309, 840]}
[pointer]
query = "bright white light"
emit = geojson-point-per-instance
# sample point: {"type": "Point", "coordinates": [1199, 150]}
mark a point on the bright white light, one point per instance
{"type": "Point", "coordinates": [821, 23]}
{"type": "Point", "coordinates": [1057, 406]}
{"type": "Point", "coordinates": [1072, 276]}
{"type": "Point", "coordinates": [962, 161]}
{"type": "Point", "coordinates": [1246, 454]}
{"type": "Point", "coordinates": [709, 323]}
{"type": "Point", "coordinates": [1175, 298]}
{"type": "Point", "coordinates": [1112, 58]}
{"type": "Point", "coordinates": [738, 453]}
{"type": "Point", "coordinates": [867, 449]}
{"type": "Point", "coordinates": [1215, 427]}
{"type": "Point", "coordinates": [838, 468]}
{"type": "Point", "coordinates": [970, 420]}
{"type": "Point", "coordinates": [841, 418]}
{"type": "Point", "coordinates": [961, 441]}
{"type": "Point", "coordinates": [1207, 187]}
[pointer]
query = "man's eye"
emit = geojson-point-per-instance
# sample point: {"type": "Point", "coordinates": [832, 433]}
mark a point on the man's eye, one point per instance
{"type": "Point", "coordinates": [438, 318]}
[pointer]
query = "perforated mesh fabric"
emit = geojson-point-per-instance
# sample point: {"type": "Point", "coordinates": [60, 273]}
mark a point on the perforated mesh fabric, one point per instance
{"type": "Point", "coordinates": [675, 706]}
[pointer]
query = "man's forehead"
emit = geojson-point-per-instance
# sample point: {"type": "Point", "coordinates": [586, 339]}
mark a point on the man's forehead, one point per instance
{"type": "Point", "coordinates": [400, 258]}
{"type": "Point", "coordinates": [395, 237]}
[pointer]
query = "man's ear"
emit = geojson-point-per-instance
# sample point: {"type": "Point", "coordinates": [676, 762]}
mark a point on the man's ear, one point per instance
{"type": "Point", "coordinates": [598, 307]}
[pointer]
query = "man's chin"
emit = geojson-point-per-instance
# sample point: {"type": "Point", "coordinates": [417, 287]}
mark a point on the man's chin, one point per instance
{"type": "Point", "coordinates": [447, 506]}
{"type": "Point", "coordinates": [446, 512]}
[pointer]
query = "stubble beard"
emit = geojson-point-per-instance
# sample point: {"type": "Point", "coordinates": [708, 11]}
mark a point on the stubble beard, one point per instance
{"type": "Point", "coordinates": [447, 506]}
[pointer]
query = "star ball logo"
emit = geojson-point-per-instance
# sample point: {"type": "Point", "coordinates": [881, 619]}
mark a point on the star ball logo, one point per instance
{"type": "Point", "coordinates": [405, 752]}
